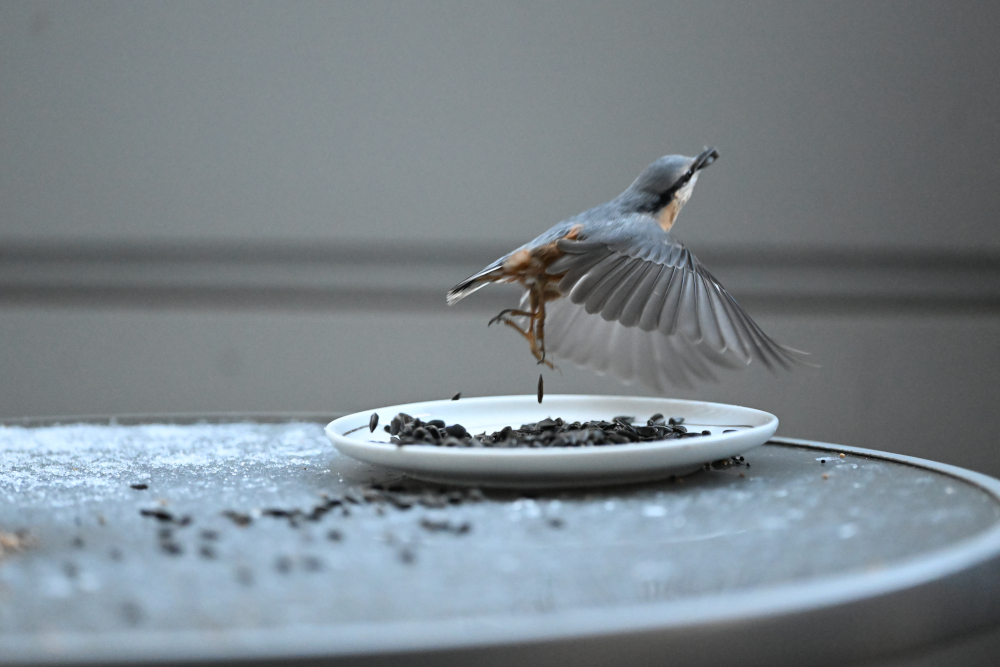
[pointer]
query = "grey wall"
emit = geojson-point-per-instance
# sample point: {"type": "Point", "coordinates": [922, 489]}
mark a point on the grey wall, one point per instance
{"type": "Point", "coordinates": [259, 206]}
{"type": "Point", "coordinates": [838, 123]}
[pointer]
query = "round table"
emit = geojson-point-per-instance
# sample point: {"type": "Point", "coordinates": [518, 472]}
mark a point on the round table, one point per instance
{"type": "Point", "coordinates": [249, 537]}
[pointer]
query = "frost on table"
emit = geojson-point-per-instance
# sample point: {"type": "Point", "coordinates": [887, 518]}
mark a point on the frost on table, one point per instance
{"type": "Point", "coordinates": [795, 514]}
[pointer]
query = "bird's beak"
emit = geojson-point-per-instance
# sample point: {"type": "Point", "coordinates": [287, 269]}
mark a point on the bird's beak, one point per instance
{"type": "Point", "coordinates": [705, 158]}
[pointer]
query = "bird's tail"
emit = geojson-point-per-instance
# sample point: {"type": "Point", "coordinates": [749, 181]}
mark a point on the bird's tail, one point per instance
{"type": "Point", "coordinates": [465, 288]}
{"type": "Point", "coordinates": [473, 283]}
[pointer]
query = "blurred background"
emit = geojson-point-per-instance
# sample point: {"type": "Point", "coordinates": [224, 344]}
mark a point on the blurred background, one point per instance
{"type": "Point", "coordinates": [259, 206]}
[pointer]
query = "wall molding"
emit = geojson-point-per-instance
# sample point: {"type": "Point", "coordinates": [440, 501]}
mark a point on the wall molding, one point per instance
{"type": "Point", "coordinates": [416, 275]}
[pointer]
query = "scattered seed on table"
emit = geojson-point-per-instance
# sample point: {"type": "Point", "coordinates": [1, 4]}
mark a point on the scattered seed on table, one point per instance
{"type": "Point", "coordinates": [312, 563]}
{"type": "Point", "coordinates": [244, 575]}
{"type": "Point", "coordinates": [555, 522]}
{"type": "Point", "coordinates": [825, 476]}
{"type": "Point", "coordinates": [132, 613]}
{"type": "Point", "coordinates": [158, 514]}
{"type": "Point", "coordinates": [139, 487]}
{"type": "Point", "coordinates": [372, 422]}
{"type": "Point", "coordinates": [283, 565]}
{"type": "Point", "coordinates": [165, 533]}
{"type": "Point", "coordinates": [842, 455]}
{"type": "Point", "coordinates": [115, 554]}
{"type": "Point", "coordinates": [206, 551]}
{"type": "Point", "coordinates": [77, 542]}
{"type": "Point", "coordinates": [335, 535]}
{"type": "Point", "coordinates": [172, 548]}
{"type": "Point", "coordinates": [239, 518]}
{"type": "Point", "coordinates": [70, 569]}
{"type": "Point", "coordinates": [209, 535]}
{"type": "Point", "coordinates": [443, 525]}
{"type": "Point", "coordinates": [407, 556]}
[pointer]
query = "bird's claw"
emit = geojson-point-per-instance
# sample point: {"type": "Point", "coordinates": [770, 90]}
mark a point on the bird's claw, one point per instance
{"type": "Point", "coordinates": [502, 316]}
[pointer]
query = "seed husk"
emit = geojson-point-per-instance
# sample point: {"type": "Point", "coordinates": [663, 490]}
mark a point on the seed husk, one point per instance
{"type": "Point", "coordinates": [372, 422]}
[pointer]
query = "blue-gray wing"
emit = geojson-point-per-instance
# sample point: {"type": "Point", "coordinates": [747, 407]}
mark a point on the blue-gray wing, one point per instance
{"type": "Point", "coordinates": [641, 307]}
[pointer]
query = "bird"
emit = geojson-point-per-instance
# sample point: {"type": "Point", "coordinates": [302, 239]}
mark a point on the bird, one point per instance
{"type": "Point", "coordinates": [612, 290]}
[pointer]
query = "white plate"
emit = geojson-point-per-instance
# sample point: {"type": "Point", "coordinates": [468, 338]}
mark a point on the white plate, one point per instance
{"type": "Point", "coordinates": [556, 466]}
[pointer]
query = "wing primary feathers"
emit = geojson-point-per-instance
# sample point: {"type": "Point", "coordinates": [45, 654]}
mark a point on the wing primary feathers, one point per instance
{"type": "Point", "coordinates": [653, 305]}
{"type": "Point", "coordinates": [585, 285]}
{"type": "Point", "coordinates": [640, 295]}
{"type": "Point", "coordinates": [599, 294]}
{"type": "Point", "coordinates": [671, 303]}
{"type": "Point", "coordinates": [618, 298]}
{"type": "Point", "coordinates": [707, 321]}
{"type": "Point", "coordinates": [687, 310]}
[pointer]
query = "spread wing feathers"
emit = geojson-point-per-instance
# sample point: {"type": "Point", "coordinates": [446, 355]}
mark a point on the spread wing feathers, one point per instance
{"type": "Point", "coordinates": [629, 353]}
{"type": "Point", "coordinates": [628, 304]}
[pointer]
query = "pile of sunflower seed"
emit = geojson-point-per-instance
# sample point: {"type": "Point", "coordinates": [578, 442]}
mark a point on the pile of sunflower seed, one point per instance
{"type": "Point", "coordinates": [407, 430]}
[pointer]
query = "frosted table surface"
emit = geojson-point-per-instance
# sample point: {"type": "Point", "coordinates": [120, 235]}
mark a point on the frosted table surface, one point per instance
{"type": "Point", "coordinates": [559, 574]}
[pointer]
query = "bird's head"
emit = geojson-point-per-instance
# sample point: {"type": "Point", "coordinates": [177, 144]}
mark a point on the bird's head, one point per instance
{"type": "Point", "coordinates": [665, 186]}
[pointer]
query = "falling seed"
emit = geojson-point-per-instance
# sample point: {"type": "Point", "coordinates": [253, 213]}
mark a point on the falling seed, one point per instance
{"type": "Point", "coordinates": [456, 396]}
{"type": "Point", "coordinates": [372, 422]}
{"type": "Point", "coordinates": [541, 388]}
